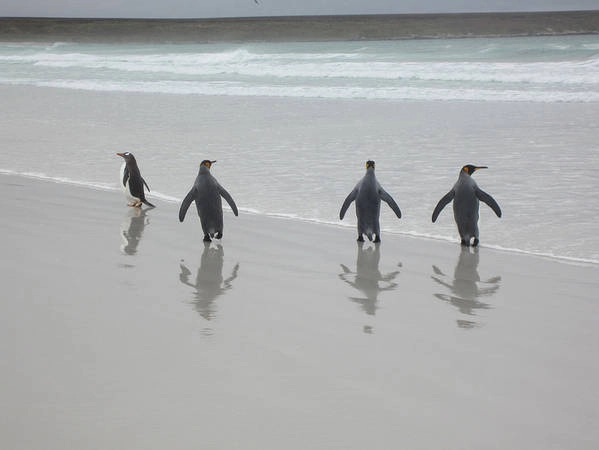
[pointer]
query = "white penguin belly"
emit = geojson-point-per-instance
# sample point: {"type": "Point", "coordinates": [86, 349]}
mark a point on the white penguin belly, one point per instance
{"type": "Point", "coordinates": [125, 187]}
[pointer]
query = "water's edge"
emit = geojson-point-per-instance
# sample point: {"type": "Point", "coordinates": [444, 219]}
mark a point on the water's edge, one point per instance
{"type": "Point", "coordinates": [171, 199]}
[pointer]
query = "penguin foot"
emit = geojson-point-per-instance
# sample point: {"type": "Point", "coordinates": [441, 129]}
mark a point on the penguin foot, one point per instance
{"type": "Point", "coordinates": [465, 243]}
{"type": "Point", "coordinates": [360, 238]}
{"type": "Point", "coordinates": [377, 239]}
{"type": "Point", "coordinates": [207, 238]}
{"type": "Point", "coordinates": [219, 235]}
{"type": "Point", "coordinates": [475, 242]}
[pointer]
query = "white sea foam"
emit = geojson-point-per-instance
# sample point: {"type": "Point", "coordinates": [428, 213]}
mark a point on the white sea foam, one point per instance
{"type": "Point", "coordinates": [61, 180]}
{"type": "Point", "coordinates": [346, 92]}
{"type": "Point", "coordinates": [85, 184]}
{"type": "Point", "coordinates": [483, 70]}
{"type": "Point", "coordinates": [324, 66]}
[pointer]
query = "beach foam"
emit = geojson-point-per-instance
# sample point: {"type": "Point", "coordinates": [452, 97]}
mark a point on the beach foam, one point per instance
{"type": "Point", "coordinates": [563, 69]}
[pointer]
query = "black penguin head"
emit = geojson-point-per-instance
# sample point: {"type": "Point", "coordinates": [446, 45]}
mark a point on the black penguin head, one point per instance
{"type": "Point", "coordinates": [127, 156]}
{"type": "Point", "coordinates": [470, 169]}
{"type": "Point", "coordinates": [369, 164]}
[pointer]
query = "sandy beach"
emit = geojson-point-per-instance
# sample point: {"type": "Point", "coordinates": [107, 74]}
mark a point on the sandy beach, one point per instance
{"type": "Point", "coordinates": [123, 330]}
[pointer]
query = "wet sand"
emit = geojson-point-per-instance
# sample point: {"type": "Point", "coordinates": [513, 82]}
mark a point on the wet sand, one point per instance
{"type": "Point", "coordinates": [123, 330]}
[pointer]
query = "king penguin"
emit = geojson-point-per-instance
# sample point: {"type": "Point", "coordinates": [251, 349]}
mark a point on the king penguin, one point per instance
{"type": "Point", "coordinates": [368, 194]}
{"type": "Point", "coordinates": [207, 192]}
{"type": "Point", "coordinates": [132, 182]}
{"type": "Point", "coordinates": [466, 195]}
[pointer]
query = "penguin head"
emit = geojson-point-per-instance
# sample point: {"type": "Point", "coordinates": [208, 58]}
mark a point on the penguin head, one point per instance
{"type": "Point", "coordinates": [128, 157]}
{"type": "Point", "coordinates": [369, 164]}
{"type": "Point", "coordinates": [470, 169]}
{"type": "Point", "coordinates": [206, 164]}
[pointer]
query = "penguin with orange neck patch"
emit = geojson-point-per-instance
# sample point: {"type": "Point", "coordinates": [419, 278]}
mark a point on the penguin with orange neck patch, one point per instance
{"type": "Point", "coordinates": [466, 195]}
{"type": "Point", "coordinates": [206, 193]}
{"type": "Point", "coordinates": [368, 194]}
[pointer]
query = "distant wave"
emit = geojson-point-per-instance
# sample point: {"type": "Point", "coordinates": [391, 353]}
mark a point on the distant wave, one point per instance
{"type": "Point", "coordinates": [324, 92]}
{"type": "Point", "coordinates": [544, 71]}
{"type": "Point", "coordinates": [327, 65]}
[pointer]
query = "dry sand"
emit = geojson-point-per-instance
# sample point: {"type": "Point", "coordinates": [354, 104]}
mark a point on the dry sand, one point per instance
{"type": "Point", "coordinates": [125, 331]}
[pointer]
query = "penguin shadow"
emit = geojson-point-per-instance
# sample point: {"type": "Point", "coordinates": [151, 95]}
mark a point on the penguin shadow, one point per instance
{"type": "Point", "coordinates": [368, 279]}
{"type": "Point", "coordinates": [209, 283]}
{"type": "Point", "coordinates": [132, 229]}
{"type": "Point", "coordinates": [466, 289]}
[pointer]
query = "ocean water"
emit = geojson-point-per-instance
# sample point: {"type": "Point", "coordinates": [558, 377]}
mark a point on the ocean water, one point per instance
{"type": "Point", "coordinates": [292, 124]}
{"type": "Point", "coordinates": [543, 69]}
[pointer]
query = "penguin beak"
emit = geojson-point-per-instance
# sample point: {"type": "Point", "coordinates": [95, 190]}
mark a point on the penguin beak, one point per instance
{"type": "Point", "coordinates": [480, 167]}
{"type": "Point", "coordinates": [122, 155]}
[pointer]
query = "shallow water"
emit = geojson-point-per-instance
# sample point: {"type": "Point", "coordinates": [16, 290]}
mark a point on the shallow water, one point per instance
{"type": "Point", "coordinates": [292, 125]}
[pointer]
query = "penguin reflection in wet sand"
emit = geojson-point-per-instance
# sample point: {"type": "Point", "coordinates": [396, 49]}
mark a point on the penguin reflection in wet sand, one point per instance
{"type": "Point", "coordinates": [207, 192]}
{"type": "Point", "coordinates": [132, 182]}
{"type": "Point", "coordinates": [466, 195]}
{"type": "Point", "coordinates": [368, 194]}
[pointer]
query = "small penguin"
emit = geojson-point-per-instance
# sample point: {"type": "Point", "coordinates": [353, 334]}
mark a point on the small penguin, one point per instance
{"type": "Point", "coordinates": [466, 195]}
{"type": "Point", "coordinates": [206, 192]}
{"type": "Point", "coordinates": [132, 182]}
{"type": "Point", "coordinates": [368, 194]}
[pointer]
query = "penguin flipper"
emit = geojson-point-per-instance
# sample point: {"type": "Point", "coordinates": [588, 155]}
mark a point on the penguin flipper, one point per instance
{"type": "Point", "coordinates": [350, 198]}
{"type": "Point", "coordinates": [146, 184]}
{"type": "Point", "coordinates": [229, 200]}
{"type": "Point", "coordinates": [389, 200]}
{"type": "Point", "coordinates": [486, 198]}
{"type": "Point", "coordinates": [125, 175]}
{"type": "Point", "coordinates": [190, 197]}
{"type": "Point", "coordinates": [442, 203]}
